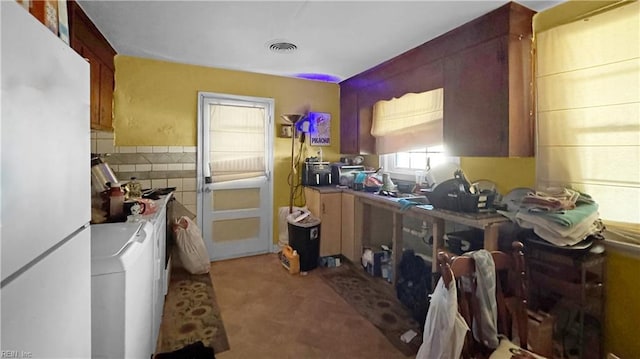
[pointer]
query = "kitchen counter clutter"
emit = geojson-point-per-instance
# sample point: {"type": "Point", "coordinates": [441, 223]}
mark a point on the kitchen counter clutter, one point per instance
{"type": "Point", "coordinates": [353, 216]}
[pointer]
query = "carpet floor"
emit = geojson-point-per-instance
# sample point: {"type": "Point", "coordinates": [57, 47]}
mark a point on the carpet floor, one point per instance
{"type": "Point", "coordinates": [375, 300]}
{"type": "Point", "coordinates": [191, 314]}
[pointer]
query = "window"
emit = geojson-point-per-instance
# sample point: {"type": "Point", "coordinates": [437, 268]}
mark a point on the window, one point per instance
{"type": "Point", "coordinates": [588, 120]}
{"type": "Point", "coordinates": [403, 165]}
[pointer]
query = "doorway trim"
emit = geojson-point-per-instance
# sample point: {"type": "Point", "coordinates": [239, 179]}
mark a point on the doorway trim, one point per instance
{"type": "Point", "coordinates": [204, 98]}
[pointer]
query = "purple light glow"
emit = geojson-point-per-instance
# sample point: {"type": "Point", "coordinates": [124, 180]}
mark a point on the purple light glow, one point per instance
{"type": "Point", "coordinates": [318, 77]}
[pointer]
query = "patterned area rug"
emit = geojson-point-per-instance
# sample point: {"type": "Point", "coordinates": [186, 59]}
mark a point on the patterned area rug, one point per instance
{"type": "Point", "coordinates": [375, 300]}
{"type": "Point", "coordinates": [191, 314]}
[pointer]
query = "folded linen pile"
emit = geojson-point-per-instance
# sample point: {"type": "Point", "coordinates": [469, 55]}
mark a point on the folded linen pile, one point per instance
{"type": "Point", "coordinates": [561, 216]}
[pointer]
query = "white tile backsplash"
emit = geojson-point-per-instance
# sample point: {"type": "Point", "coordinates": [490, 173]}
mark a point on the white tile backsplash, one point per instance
{"type": "Point", "coordinates": [189, 184]}
{"type": "Point", "coordinates": [175, 182]}
{"type": "Point", "coordinates": [144, 149]}
{"type": "Point", "coordinates": [158, 183]}
{"type": "Point", "coordinates": [185, 187]}
{"type": "Point", "coordinates": [127, 149]}
{"type": "Point", "coordinates": [104, 135]}
{"type": "Point", "coordinates": [159, 167]}
{"type": "Point", "coordinates": [127, 168]}
{"type": "Point", "coordinates": [144, 167]}
{"type": "Point", "coordinates": [104, 146]}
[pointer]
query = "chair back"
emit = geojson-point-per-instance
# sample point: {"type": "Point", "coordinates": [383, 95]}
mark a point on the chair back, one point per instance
{"type": "Point", "coordinates": [510, 295]}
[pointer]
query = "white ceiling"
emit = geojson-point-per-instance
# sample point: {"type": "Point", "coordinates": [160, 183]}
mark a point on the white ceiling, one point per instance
{"type": "Point", "coordinates": [335, 38]}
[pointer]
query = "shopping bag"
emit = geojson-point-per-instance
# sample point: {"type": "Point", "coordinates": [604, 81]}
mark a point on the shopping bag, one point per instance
{"type": "Point", "coordinates": [191, 249]}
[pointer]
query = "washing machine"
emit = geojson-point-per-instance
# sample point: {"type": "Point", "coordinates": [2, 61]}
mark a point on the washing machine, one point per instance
{"type": "Point", "coordinates": [121, 290]}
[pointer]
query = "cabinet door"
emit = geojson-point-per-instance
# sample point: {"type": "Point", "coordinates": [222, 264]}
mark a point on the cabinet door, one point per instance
{"type": "Point", "coordinates": [355, 125]}
{"type": "Point", "coordinates": [347, 239]}
{"type": "Point", "coordinates": [95, 69]}
{"type": "Point", "coordinates": [327, 207]}
{"type": "Point", "coordinates": [331, 227]}
{"type": "Point", "coordinates": [349, 123]}
{"type": "Point", "coordinates": [476, 100]}
{"type": "Point", "coordinates": [87, 40]}
{"type": "Point", "coordinates": [106, 98]}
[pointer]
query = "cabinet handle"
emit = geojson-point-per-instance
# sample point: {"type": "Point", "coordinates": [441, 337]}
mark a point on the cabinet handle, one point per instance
{"type": "Point", "coordinates": [323, 211]}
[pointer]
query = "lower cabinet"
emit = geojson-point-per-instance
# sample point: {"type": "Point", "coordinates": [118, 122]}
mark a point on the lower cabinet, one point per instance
{"type": "Point", "coordinates": [327, 207]}
{"type": "Point", "coordinates": [348, 228]}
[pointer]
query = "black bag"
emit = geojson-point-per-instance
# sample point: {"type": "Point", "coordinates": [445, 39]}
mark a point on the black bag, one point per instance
{"type": "Point", "coordinates": [414, 285]}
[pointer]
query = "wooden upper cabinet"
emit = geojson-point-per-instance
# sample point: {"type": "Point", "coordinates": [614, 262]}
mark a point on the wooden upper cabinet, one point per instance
{"type": "Point", "coordinates": [476, 100]}
{"type": "Point", "coordinates": [355, 126]}
{"type": "Point", "coordinates": [486, 105]}
{"type": "Point", "coordinates": [348, 122]}
{"type": "Point", "coordinates": [94, 67]}
{"type": "Point", "coordinates": [485, 69]}
{"type": "Point", "coordinates": [87, 40]}
{"type": "Point", "coordinates": [105, 115]}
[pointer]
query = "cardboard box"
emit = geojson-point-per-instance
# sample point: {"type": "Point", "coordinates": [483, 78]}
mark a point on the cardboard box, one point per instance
{"type": "Point", "coordinates": [540, 332]}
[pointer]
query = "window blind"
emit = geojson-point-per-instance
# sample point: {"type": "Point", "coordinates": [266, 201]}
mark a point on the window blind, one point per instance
{"type": "Point", "coordinates": [588, 113]}
{"type": "Point", "coordinates": [411, 121]}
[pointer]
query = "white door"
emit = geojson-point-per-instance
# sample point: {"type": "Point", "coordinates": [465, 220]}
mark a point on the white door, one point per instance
{"type": "Point", "coordinates": [235, 162]}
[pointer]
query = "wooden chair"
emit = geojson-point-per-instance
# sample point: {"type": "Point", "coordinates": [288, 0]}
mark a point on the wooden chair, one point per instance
{"type": "Point", "coordinates": [511, 301]}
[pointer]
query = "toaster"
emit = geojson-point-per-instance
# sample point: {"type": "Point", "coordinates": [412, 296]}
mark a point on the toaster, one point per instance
{"type": "Point", "coordinates": [316, 174]}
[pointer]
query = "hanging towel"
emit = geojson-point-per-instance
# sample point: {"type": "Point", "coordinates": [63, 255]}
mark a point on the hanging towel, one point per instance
{"type": "Point", "coordinates": [485, 327]}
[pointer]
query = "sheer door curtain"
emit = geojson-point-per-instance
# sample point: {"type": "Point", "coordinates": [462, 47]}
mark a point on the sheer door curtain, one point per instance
{"type": "Point", "coordinates": [237, 136]}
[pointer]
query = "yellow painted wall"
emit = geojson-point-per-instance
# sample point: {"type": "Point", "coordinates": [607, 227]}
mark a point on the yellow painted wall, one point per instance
{"type": "Point", "coordinates": [155, 104]}
{"type": "Point", "coordinates": [622, 311]}
{"type": "Point", "coordinates": [506, 173]}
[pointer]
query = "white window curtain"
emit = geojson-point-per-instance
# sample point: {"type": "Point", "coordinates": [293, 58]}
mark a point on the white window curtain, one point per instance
{"type": "Point", "coordinates": [237, 147]}
{"type": "Point", "coordinates": [588, 119]}
{"type": "Point", "coordinates": [411, 121]}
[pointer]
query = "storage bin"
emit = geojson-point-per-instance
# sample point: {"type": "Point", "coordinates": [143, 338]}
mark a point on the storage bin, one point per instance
{"type": "Point", "coordinates": [464, 241]}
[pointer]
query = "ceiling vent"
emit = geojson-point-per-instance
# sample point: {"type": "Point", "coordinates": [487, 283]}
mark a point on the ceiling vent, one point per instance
{"type": "Point", "coordinates": [282, 46]}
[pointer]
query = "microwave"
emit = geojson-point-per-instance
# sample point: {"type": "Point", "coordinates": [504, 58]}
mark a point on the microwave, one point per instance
{"type": "Point", "coordinates": [344, 174]}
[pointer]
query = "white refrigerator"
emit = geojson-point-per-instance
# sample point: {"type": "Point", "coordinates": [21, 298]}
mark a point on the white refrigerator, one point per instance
{"type": "Point", "coordinates": [45, 299]}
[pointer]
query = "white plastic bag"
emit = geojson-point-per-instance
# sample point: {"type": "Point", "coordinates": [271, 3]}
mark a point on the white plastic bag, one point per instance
{"type": "Point", "coordinates": [191, 249]}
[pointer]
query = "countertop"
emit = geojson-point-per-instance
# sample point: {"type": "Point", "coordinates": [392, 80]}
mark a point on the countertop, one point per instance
{"type": "Point", "coordinates": [476, 220]}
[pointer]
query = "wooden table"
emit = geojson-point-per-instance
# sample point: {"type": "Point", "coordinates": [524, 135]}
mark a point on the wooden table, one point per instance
{"type": "Point", "coordinates": [488, 222]}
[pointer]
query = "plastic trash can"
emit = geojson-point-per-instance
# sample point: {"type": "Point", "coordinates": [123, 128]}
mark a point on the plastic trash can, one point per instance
{"type": "Point", "coordinates": [304, 237]}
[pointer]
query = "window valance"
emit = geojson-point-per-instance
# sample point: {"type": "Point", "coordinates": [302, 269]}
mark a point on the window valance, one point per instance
{"type": "Point", "coordinates": [413, 120]}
